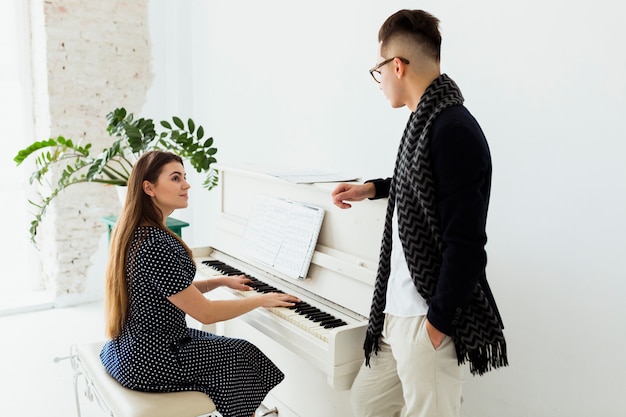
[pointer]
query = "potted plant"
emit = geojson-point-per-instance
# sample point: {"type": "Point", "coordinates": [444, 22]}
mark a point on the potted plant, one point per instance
{"type": "Point", "coordinates": [132, 137]}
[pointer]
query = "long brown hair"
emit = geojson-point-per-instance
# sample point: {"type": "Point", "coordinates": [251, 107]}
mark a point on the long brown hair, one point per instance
{"type": "Point", "coordinates": [138, 210]}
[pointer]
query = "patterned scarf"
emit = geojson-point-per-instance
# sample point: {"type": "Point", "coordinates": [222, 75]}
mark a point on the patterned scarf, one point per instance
{"type": "Point", "coordinates": [478, 337]}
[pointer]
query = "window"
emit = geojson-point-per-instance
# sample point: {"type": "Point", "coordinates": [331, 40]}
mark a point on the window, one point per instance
{"type": "Point", "coordinates": [17, 253]}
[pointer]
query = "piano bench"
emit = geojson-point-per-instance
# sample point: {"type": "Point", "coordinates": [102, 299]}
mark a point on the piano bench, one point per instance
{"type": "Point", "coordinates": [118, 401]}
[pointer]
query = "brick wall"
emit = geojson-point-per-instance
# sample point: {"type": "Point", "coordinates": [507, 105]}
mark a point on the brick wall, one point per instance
{"type": "Point", "coordinates": [88, 58]}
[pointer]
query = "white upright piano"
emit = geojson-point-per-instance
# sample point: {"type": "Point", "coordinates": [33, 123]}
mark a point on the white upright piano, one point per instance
{"type": "Point", "coordinates": [320, 361]}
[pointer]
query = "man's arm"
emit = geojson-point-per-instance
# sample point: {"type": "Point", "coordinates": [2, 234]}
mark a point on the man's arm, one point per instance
{"type": "Point", "coordinates": [462, 174]}
{"type": "Point", "coordinates": [352, 192]}
{"type": "Point", "coordinates": [381, 187]}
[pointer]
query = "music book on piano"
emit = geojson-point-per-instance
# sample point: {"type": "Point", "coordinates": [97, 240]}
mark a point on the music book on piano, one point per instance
{"type": "Point", "coordinates": [283, 234]}
{"type": "Point", "coordinates": [312, 176]}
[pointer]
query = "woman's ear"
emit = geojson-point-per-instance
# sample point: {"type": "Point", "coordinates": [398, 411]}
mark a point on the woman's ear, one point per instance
{"type": "Point", "coordinates": [148, 188]}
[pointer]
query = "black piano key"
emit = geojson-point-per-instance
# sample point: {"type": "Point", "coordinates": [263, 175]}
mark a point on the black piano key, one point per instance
{"type": "Point", "coordinates": [331, 323]}
{"type": "Point", "coordinates": [316, 314]}
{"type": "Point", "coordinates": [336, 324]}
{"type": "Point", "coordinates": [302, 313]}
{"type": "Point", "coordinates": [320, 317]}
{"type": "Point", "coordinates": [269, 288]}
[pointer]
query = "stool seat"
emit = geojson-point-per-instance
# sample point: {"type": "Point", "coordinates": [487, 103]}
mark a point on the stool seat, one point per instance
{"type": "Point", "coordinates": [123, 402]}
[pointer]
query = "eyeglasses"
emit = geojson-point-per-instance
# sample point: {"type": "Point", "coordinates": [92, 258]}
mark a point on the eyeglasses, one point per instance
{"type": "Point", "coordinates": [375, 73]}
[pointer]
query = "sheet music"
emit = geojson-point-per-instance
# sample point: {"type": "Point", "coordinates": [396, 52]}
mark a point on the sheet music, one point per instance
{"type": "Point", "coordinates": [283, 234]}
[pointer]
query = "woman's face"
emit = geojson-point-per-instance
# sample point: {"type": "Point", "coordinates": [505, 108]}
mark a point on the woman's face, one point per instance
{"type": "Point", "coordinates": [170, 192]}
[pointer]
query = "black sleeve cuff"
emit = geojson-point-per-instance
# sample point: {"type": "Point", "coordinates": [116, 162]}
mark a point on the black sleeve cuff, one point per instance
{"type": "Point", "coordinates": [382, 187]}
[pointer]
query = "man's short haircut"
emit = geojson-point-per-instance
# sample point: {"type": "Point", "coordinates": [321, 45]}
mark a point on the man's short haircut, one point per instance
{"type": "Point", "coordinates": [416, 25]}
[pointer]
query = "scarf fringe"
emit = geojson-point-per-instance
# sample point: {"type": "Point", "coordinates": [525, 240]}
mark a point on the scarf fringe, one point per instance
{"type": "Point", "coordinates": [483, 358]}
{"type": "Point", "coordinates": [370, 346]}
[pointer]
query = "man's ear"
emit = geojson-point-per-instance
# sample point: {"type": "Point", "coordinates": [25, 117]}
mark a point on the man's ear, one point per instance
{"type": "Point", "coordinates": [148, 188]}
{"type": "Point", "coordinates": [398, 67]}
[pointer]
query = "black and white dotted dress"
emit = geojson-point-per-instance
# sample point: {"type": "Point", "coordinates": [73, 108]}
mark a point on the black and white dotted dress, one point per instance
{"type": "Point", "coordinates": [156, 351]}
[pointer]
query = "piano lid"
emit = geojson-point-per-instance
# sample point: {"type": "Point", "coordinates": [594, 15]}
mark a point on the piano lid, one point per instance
{"type": "Point", "coordinates": [343, 265]}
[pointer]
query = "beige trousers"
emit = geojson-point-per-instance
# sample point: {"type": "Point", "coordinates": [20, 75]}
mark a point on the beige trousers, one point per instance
{"type": "Point", "coordinates": [409, 377]}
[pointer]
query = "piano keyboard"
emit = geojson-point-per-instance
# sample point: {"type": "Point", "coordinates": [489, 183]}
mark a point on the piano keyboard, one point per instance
{"type": "Point", "coordinates": [304, 315]}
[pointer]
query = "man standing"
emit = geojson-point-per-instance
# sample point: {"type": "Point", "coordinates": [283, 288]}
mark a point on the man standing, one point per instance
{"type": "Point", "coordinates": [432, 308]}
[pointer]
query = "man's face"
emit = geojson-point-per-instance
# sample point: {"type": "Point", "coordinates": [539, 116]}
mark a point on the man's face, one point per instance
{"type": "Point", "coordinates": [389, 78]}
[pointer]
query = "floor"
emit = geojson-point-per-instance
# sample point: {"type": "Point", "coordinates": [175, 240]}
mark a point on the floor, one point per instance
{"type": "Point", "coordinates": [33, 383]}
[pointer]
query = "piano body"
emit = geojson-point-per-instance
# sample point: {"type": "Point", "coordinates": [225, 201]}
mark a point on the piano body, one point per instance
{"type": "Point", "coordinates": [319, 361]}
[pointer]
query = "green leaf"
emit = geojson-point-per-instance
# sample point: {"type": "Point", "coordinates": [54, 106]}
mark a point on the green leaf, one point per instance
{"type": "Point", "coordinates": [178, 122]}
{"type": "Point", "coordinates": [34, 147]}
{"type": "Point", "coordinates": [192, 126]}
{"type": "Point", "coordinates": [166, 124]}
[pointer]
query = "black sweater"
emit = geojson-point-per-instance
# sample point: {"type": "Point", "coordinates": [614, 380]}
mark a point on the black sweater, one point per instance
{"type": "Point", "coordinates": [461, 164]}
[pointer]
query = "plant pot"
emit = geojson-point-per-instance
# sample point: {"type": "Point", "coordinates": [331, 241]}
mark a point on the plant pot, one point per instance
{"type": "Point", "coordinates": [121, 193]}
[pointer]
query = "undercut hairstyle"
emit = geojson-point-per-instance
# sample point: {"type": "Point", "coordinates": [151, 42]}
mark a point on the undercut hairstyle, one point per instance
{"type": "Point", "coordinates": [416, 25]}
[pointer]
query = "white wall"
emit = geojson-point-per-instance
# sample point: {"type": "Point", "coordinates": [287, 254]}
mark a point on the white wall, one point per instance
{"type": "Point", "coordinates": [286, 83]}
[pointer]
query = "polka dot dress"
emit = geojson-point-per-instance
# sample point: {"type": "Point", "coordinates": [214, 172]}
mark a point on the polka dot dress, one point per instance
{"type": "Point", "coordinates": [156, 351]}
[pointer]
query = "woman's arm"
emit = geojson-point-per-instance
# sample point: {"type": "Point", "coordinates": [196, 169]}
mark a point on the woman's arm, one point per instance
{"type": "Point", "coordinates": [192, 302]}
{"type": "Point", "coordinates": [236, 282]}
